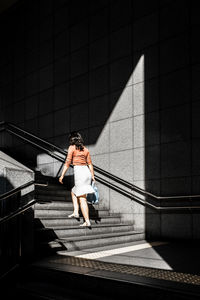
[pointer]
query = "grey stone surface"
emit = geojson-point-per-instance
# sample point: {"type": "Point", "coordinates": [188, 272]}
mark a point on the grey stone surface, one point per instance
{"type": "Point", "coordinates": [99, 81]}
{"type": "Point", "coordinates": [176, 225]}
{"type": "Point", "coordinates": [61, 70]}
{"type": "Point", "coordinates": [121, 135]}
{"type": "Point", "coordinates": [79, 62]}
{"type": "Point", "coordinates": [99, 52]}
{"type": "Point", "coordinates": [121, 103]}
{"type": "Point", "coordinates": [121, 73]}
{"type": "Point", "coordinates": [175, 159]}
{"type": "Point", "coordinates": [61, 121]}
{"type": "Point", "coordinates": [175, 88]}
{"type": "Point", "coordinates": [61, 96]}
{"type": "Point", "coordinates": [175, 124]}
{"type": "Point", "coordinates": [79, 116]}
{"type": "Point", "coordinates": [82, 93]}
{"type": "Point", "coordinates": [119, 37]}
{"type": "Point", "coordinates": [98, 111]}
{"type": "Point", "coordinates": [121, 164]}
{"type": "Point", "coordinates": [146, 27]}
{"type": "Point", "coordinates": [174, 54]}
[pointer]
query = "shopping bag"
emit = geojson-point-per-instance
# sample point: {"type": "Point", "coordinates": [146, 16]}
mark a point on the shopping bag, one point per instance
{"type": "Point", "coordinates": [93, 198]}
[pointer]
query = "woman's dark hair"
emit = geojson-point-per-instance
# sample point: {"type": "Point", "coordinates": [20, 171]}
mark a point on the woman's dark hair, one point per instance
{"type": "Point", "coordinates": [76, 139]}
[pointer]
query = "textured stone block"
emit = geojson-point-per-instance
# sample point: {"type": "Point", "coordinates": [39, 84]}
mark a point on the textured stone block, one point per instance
{"type": "Point", "coordinates": [139, 164]}
{"type": "Point", "coordinates": [46, 126]}
{"type": "Point", "coordinates": [79, 116]}
{"type": "Point", "coordinates": [176, 186]}
{"type": "Point", "coordinates": [121, 135]}
{"type": "Point", "coordinates": [32, 84]}
{"type": "Point", "coordinates": [146, 27]}
{"type": "Point", "coordinates": [101, 161]}
{"type": "Point", "coordinates": [121, 103]}
{"type": "Point", "coordinates": [61, 44]}
{"type": "Point", "coordinates": [152, 162]}
{"type": "Point", "coordinates": [19, 89]}
{"type": "Point", "coordinates": [45, 103]}
{"type": "Point", "coordinates": [98, 111]}
{"type": "Point", "coordinates": [99, 81]}
{"type": "Point", "coordinates": [79, 36]}
{"type": "Point", "coordinates": [99, 51]}
{"type": "Point", "coordinates": [120, 14]}
{"type": "Point", "coordinates": [152, 128]}
{"type": "Point", "coordinates": [175, 159]}
{"type": "Point", "coordinates": [61, 96]}
{"type": "Point", "coordinates": [31, 107]}
{"type": "Point", "coordinates": [138, 69]}
{"type": "Point", "coordinates": [196, 226]}
{"type": "Point", "coordinates": [178, 226]}
{"type": "Point", "coordinates": [46, 29]}
{"type": "Point", "coordinates": [151, 62]}
{"type": "Point", "coordinates": [195, 82]}
{"type": "Point", "coordinates": [121, 43]}
{"type": "Point", "coordinates": [139, 131]}
{"type": "Point", "coordinates": [175, 124]}
{"type": "Point", "coordinates": [175, 88]}
{"type": "Point", "coordinates": [79, 62]}
{"type": "Point", "coordinates": [121, 164]}
{"type": "Point", "coordinates": [79, 89]}
{"type": "Point", "coordinates": [46, 77]}
{"type": "Point", "coordinates": [61, 70]}
{"type": "Point", "coordinates": [174, 54]}
{"type": "Point", "coordinates": [195, 119]}
{"type": "Point", "coordinates": [195, 45]}
{"type": "Point", "coordinates": [33, 59]}
{"type": "Point", "coordinates": [176, 25]}
{"type": "Point", "coordinates": [195, 157]}
{"type": "Point", "coordinates": [61, 16]}
{"type": "Point", "coordinates": [99, 24]}
{"type": "Point", "coordinates": [61, 121]}
{"type": "Point", "coordinates": [99, 139]}
{"type": "Point", "coordinates": [121, 73]}
{"type": "Point", "coordinates": [46, 53]}
{"type": "Point", "coordinates": [138, 98]}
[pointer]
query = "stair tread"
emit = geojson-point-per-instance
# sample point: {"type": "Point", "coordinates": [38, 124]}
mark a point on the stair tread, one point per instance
{"type": "Point", "coordinates": [99, 236]}
{"type": "Point", "coordinates": [78, 227]}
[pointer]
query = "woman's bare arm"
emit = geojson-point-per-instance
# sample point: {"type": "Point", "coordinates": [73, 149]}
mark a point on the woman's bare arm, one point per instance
{"type": "Point", "coordinates": [92, 171]}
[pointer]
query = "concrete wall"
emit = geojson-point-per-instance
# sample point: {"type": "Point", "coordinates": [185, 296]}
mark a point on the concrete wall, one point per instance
{"type": "Point", "coordinates": [124, 73]}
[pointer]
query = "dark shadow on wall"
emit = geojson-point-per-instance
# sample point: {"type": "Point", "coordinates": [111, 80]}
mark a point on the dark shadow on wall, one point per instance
{"type": "Point", "coordinates": [69, 69]}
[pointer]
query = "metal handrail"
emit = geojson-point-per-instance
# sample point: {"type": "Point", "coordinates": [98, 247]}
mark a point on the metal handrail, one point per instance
{"type": "Point", "coordinates": [145, 203]}
{"type": "Point", "coordinates": [14, 191]}
{"type": "Point", "coordinates": [99, 170]}
{"type": "Point", "coordinates": [19, 211]}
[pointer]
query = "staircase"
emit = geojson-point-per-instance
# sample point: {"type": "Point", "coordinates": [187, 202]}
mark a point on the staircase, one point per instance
{"type": "Point", "coordinates": [55, 232]}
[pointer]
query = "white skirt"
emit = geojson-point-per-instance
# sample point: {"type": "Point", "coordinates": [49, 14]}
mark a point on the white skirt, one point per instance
{"type": "Point", "coordinates": [82, 179]}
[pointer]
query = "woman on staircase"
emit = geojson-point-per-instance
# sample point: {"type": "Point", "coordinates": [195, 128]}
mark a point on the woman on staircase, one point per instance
{"type": "Point", "coordinates": [79, 156]}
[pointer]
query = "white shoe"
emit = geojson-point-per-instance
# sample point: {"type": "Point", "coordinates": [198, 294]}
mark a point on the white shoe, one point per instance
{"type": "Point", "coordinates": [73, 216]}
{"type": "Point", "coordinates": [86, 224]}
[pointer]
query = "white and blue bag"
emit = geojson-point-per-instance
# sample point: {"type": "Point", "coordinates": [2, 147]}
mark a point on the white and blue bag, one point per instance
{"type": "Point", "coordinates": [93, 198]}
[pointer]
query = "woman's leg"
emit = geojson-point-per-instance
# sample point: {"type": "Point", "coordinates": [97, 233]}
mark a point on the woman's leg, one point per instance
{"type": "Point", "coordinates": [75, 204]}
{"type": "Point", "coordinates": [84, 208]}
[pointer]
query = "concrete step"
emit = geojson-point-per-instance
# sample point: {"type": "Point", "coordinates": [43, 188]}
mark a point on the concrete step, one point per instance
{"type": "Point", "coordinates": [54, 222]}
{"type": "Point", "coordinates": [52, 198]}
{"type": "Point", "coordinates": [63, 205]}
{"type": "Point", "coordinates": [52, 192]}
{"type": "Point", "coordinates": [42, 213]}
{"type": "Point", "coordinates": [77, 231]}
{"type": "Point", "coordinates": [91, 241]}
{"type": "Point", "coordinates": [52, 187]}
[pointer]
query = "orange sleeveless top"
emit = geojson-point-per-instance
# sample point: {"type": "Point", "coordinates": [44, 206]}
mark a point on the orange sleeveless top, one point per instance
{"type": "Point", "coordinates": [77, 157]}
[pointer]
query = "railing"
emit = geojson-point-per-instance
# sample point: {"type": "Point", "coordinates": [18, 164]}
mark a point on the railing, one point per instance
{"type": "Point", "coordinates": [11, 229]}
{"type": "Point", "coordinates": [50, 149]}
